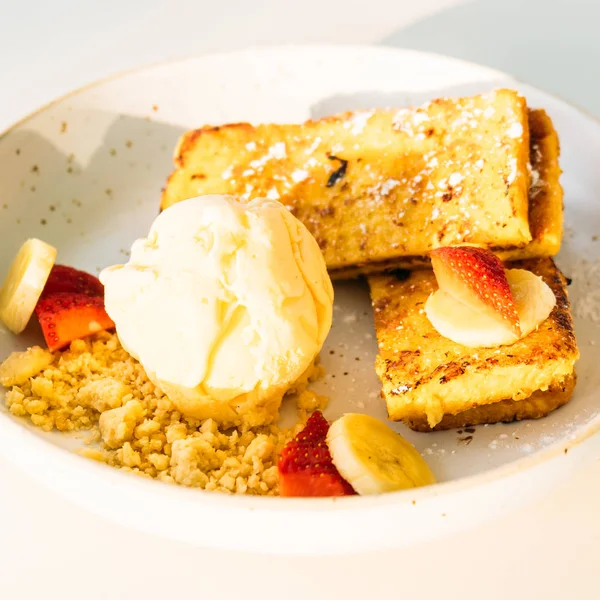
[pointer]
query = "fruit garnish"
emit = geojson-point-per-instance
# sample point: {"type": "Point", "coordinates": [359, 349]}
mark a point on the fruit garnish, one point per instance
{"type": "Point", "coordinates": [24, 283]}
{"type": "Point", "coordinates": [305, 465]}
{"type": "Point", "coordinates": [534, 301]}
{"type": "Point", "coordinates": [71, 307]}
{"type": "Point", "coordinates": [475, 277]}
{"type": "Point", "coordinates": [534, 298]}
{"type": "Point", "coordinates": [373, 458]}
{"type": "Point", "coordinates": [68, 279]}
{"type": "Point", "coordinates": [65, 317]}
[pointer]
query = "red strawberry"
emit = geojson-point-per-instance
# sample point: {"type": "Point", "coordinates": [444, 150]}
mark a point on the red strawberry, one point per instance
{"type": "Point", "coordinates": [476, 277]}
{"type": "Point", "coordinates": [305, 465]}
{"type": "Point", "coordinates": [65, 317]}
{"type": "Point", "coordinates": [68, 279]}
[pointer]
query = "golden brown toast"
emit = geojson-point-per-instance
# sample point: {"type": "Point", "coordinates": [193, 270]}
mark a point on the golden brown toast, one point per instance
{"type": "Point", "coordinates": [545, 206]}
{"type": "Point", "coordinates": [545, 192]}
{"type": "Point", "coordinates": [381, 185]}
{"type": "Point", "coordinates": [538, 405]}
{"type": "Point", "coordinates": [426, 376]}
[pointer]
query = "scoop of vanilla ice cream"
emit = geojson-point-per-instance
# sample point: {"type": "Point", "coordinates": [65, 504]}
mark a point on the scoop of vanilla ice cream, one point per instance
{"type": "Point", "coordinates": [225, 304]}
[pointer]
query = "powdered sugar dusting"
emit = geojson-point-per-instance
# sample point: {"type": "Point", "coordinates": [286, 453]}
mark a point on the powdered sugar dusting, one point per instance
{"type": "Point", "coordinates": [358, 122]}
{"type": "Point", "coordinates": [388, 186]}
{"type": "Point", "coordinates": [455, 179]}
{"type": "Point", "coordinates": [400, 117]}
{"type": "Point", "coordinates": [247, 192]}
{"type": "Point", "coordinates": [316, 143]}
{"type": "Point", "coordinates": [299, 175]}
{"type": "Point", "coordinates": [277, 151]}
{"type": "Point", "coordinates": [512, 174]}
{"type": "Point", "coordinates": [515, 130]}
{"type": "Point", "coordinates": [401, 389]}
{"type": "Point", "coordinates": [444, 143]}
{"type": "Point", "coordinates": [420, 117]}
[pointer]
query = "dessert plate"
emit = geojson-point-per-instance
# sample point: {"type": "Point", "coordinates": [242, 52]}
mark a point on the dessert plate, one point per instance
{"type": "Point", "coordinates": [85, 174]}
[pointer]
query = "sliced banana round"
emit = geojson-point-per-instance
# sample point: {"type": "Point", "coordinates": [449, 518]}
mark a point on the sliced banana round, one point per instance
{"type": "Point", "coordinates": [534, 298]}
{"type": "Point", "coordinates": [461, 324]}
{"type": "Point", "coordinates": [25, 282]}
{"type": "Point", "coordinates": [534, 301]}
{"type": "Point", "coordinates": [373, 458]}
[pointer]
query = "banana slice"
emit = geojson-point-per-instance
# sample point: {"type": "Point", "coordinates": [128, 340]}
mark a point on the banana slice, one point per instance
{"type": "Point", "coordinates": [24, 283]}
{"type": "Point", "coordinates": [534, 301]}
{"type": "Point", "coordinates": [373, 458]}
{"type": "Point", "coordinates": [533, 297]}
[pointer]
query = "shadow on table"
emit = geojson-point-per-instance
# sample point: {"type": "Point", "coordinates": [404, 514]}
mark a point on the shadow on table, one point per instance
{"type": "Point", "coordinates": [552, 44]}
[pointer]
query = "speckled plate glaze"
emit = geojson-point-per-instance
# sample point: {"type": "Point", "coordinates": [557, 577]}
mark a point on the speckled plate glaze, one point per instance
{"type": "Point", "coordinates": [85, 174]}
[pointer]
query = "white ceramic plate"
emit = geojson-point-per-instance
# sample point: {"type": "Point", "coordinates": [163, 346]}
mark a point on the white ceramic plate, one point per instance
{"type": "Point", "coordinates": [85, 174]}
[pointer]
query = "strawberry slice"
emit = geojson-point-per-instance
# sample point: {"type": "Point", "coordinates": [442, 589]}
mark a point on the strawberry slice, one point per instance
{"type": "Point", "coordinates": [65, 317]}
{"type": "Point", "coordinates": [68, 279]}
{"type": "Point", "coordinates": [305, 465]}
{"type": "Point", "coordinates": [476, 277]}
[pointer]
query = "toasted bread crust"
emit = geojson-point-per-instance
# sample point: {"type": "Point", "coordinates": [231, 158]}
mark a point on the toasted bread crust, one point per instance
{"type": "Point", "coordinates": [545, 193]}
{"type": "Point", "coordinates": [381, 185]}
{"type": "Point", "coordinates": [536, 406]}
{"type": "Point", "coordinates": [426, 375]}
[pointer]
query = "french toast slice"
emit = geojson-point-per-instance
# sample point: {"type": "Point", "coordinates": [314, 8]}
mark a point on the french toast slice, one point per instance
{"type": "Point", "coordinates": [536, 406]}
{"type": "Point", "coordinates": [379, 185]}
{"type": "Point", "coordinates": [545, 206]}
{"type": "Point", "coordinates": [426, 376]}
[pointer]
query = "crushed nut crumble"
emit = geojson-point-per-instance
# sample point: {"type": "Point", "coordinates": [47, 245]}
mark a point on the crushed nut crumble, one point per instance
{"type": "Point", "coordinates": [96, 385]}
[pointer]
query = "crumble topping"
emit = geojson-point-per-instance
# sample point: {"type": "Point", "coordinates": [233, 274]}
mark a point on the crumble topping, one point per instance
{"type": "Point", "coordinates": [98, 387]}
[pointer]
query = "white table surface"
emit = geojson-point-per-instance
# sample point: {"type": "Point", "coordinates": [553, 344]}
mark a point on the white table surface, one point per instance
{"type": "Point", "coordinates": [51, 549]}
